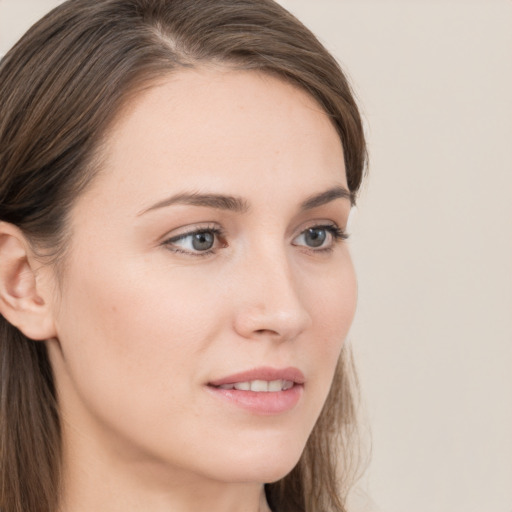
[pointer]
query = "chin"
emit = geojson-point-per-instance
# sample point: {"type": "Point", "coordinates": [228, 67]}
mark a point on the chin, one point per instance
{"type": "Point", "coordinates": [264, 466]}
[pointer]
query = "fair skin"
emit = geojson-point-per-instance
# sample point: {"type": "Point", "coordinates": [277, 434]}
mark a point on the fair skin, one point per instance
{"type": "Point", "coordinates": [146, 320]}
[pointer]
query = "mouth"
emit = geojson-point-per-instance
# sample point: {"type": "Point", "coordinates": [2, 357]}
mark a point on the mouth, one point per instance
{"type": "Point", "coordinates": [265, 390]}
{"type": "Point", "coordinates": [260, 386]}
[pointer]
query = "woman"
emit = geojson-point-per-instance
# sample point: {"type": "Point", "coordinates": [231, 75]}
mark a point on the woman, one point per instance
{"type": "Point", "coordinates": [175, 289]}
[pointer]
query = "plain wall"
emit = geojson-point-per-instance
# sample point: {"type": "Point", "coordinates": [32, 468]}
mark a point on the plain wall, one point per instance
{"type": "Point", "coordinates": [432, 241]}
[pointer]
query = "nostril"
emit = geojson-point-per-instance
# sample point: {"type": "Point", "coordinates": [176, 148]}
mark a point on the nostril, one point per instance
{"type": "Point", "coordinates": [266, 332]}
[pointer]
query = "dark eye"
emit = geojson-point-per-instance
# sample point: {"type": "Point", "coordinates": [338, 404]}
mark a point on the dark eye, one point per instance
{"type": "Point", "coordinates": [201, 241]}
{"type": "Point", "coordinates": [320, 237]}
{"type": "Point", "coordinates": [315, 237]}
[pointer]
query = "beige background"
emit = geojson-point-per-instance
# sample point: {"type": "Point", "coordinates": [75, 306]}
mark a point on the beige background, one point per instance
{"type": "Point", "coordinates": [432, 241]}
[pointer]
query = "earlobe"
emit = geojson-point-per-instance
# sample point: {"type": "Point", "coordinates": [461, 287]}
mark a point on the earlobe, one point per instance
{"type": "Point", "coordinates": [22, 301]}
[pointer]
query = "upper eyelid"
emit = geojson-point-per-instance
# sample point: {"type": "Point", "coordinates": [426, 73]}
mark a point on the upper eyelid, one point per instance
{"type": "Point", "coordinates": [190, 230]}
{"type": "Point", "coordinates": [217, 228]}
{"type": "Point", "coordinates": [336, 232]}
{"type": "Point", "coordinates": [194, 232]}
{"type": "Point", "coordinates": [317, 223]}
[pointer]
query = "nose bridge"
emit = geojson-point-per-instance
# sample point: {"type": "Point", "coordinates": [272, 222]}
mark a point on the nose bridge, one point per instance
{"type": "Point", "coordinates": [270, 303]}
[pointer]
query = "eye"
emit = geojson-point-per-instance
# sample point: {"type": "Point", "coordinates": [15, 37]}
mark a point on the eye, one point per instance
{"type": "Point", "coordinates": [198, 242]}
{"type": "Point", "coordinates": [320, 237]}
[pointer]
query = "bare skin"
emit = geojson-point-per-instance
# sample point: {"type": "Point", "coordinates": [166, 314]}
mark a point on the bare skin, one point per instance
{"type": "Point", "coordinates": [148, 314]}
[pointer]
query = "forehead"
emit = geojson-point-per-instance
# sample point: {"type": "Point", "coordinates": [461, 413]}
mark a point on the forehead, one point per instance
{"type": "Point", "coordinates": [221, 129]}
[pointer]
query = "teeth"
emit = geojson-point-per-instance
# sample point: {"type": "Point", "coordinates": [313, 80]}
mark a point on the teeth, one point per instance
{"type": "Point", "coordinates": [287, 384]}
{"type": "Point", "coordinates": [275, 385]}
{"type": "Point", "coordinates": [260, 385]}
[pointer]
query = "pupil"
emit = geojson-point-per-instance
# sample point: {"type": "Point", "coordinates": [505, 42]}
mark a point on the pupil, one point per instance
{"type": "Point", "coordinates": [315, 237]}
{"type": "Point", "coordinates": [203, 241]}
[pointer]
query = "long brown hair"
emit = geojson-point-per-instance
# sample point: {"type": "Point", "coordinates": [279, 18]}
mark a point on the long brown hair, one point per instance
{"type": "Point", "coordinates": [60, 87]}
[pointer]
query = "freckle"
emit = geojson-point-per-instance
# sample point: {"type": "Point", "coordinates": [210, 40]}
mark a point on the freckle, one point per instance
{"type": "Point", "coordinates": [114, 309]}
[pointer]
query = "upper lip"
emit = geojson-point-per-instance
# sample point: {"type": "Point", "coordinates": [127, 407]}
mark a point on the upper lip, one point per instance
{"type": "Point", "coordinates": [263, 373]}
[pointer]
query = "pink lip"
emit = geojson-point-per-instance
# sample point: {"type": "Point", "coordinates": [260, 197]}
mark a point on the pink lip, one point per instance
{"type": "Point", "coordinates": [261, 403]}
{"type": "Point", "coordinates": [263, 373]}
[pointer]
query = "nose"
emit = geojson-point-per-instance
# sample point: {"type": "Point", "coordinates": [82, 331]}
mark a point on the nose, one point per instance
{"type": "Point", "coordinates": [269, 303]}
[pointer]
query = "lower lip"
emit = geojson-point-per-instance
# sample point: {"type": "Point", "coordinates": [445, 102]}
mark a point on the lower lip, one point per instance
{"type": "Point", "coordinates": [267, 403]}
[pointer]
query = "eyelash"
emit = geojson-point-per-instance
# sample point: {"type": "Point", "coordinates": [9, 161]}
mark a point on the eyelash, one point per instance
{"type": "Point", "coordinates": [216, 231]}
{"type": "Point", "coordinates": [337, 234]}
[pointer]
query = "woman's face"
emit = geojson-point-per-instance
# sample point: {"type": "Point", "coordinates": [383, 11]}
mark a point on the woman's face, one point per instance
{"type": "Point", "coordinates": [206, 258]}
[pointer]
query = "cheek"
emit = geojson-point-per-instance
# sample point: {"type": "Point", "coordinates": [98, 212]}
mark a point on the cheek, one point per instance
{"type": "Point", "coordinates": [131, 337]}
{"type": "Point", "coordinates": [333, 306]}
{"type": "Point", "coordinates": [332, 299]}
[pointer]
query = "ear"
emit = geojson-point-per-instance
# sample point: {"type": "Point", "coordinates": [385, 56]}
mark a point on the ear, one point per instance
{"type": "Point", "coordinates": [24, 297]}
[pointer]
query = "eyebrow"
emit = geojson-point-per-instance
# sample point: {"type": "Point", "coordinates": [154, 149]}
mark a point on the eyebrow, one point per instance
{"type": "Point", "coordinates": [322, 198]}
{"type": "Point", "coordinates": [217, 201]}
{"type": "Point", "coordinates": [240, 205]}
